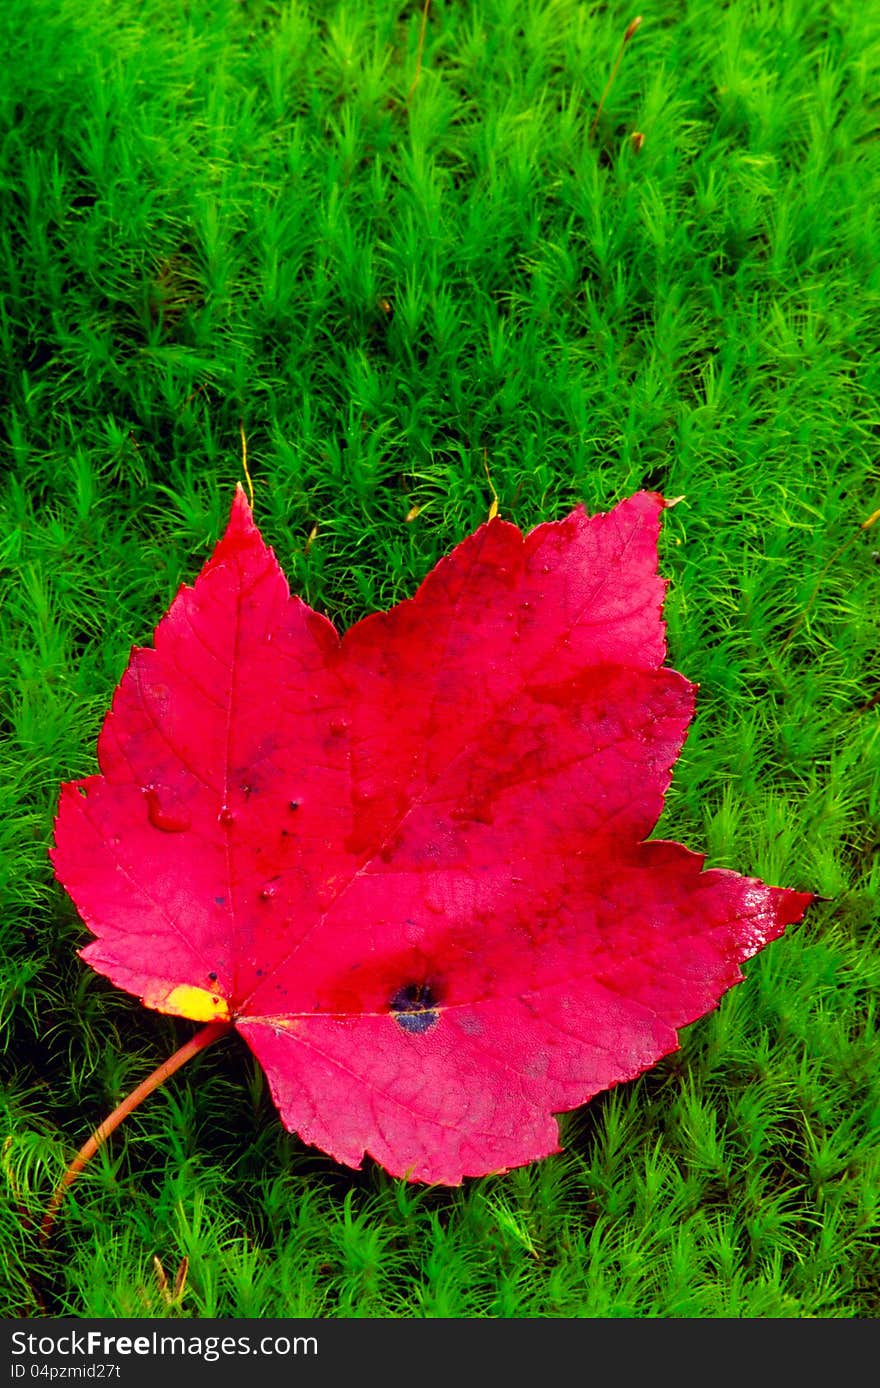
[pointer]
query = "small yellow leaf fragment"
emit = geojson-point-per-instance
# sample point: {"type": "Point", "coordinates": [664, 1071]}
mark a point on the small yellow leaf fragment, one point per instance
{"type": "Point", "coordinates": [161, 1278]}
{"type": "Point", "coordinates": [187, 1001]}
{"type": "Point", "coordinates": [244, 462]}
{"type": "Point", "coordinates": [493, 509]}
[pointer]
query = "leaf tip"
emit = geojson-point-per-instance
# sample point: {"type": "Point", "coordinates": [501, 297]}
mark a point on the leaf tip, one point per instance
{"type": "Point", "coordinates": [242, 508]}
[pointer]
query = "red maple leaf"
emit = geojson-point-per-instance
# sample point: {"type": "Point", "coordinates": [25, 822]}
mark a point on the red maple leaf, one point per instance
{"type": "Point", "coordinates": [409, 865]}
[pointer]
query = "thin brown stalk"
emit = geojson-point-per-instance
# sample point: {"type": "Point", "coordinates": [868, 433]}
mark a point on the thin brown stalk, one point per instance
{"type": "Point", "coordinates": [630, 30]}
{"type": "Point", "coordinates": [206, 1037]}
{"type": "Point", "coordinates": [423, 28]}
{"type": "Point", "coordinates": [493, 509]}
{"type": "Point", "coordinates": [244, 461]}
{"type": "Point", "coordinates": [829, 563]}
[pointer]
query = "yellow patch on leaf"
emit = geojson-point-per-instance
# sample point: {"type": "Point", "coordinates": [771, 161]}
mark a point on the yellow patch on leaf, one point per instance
{"type": "Point", "coordinates": [187, 1001]}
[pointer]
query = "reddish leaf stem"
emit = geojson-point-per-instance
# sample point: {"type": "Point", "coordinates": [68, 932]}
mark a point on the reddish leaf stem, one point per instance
{"type": "Point", "coordinates": [206, 1037]}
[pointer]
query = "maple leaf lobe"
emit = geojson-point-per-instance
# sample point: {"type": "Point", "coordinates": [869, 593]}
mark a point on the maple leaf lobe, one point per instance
{"type": "Point", "coordinates": [410, 863]}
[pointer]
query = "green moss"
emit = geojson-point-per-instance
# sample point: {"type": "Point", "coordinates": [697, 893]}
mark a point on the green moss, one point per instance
{"type": "Point", "coordinates": [232, 216]}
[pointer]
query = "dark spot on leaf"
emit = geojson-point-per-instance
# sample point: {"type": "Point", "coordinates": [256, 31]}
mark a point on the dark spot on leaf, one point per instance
{"type": "Point", "coordinates": [293, 804]}
{"type": "Point", "coordinates": [413, 997]}
{"type": "Point", "coordinates": [220, 900]}
{"type": "Point", "coordinates": [416, 1021]}
{"type": "Point", "coordinates": [414, 1007]}
{"type": "Point", "coordinates": [212, 976]}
